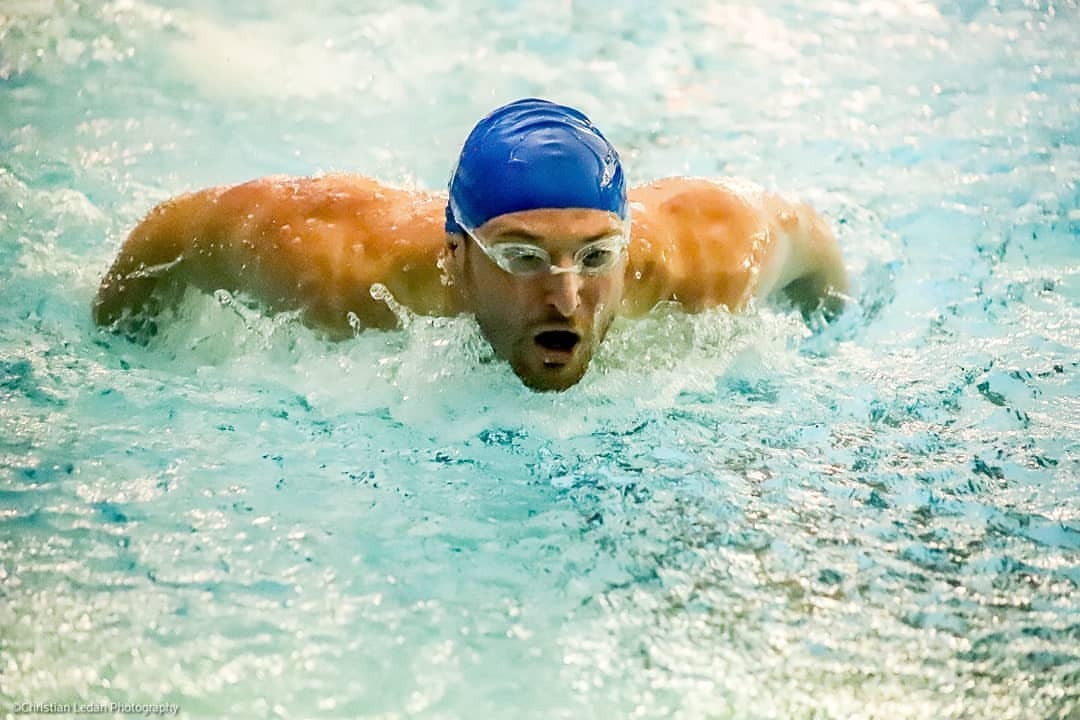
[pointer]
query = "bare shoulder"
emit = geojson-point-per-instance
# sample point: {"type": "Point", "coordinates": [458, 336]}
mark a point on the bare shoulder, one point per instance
{"type": "Point", "coordinates": [707, 242]}
{"type": "Point", "coordinates": [304, 194]}
{"type": "Point", "coordinates": [314, 243]}
{"type": "Point", "coordinates": [320, 242]}
{"type": "Point", "coordinates": [695, 241]}
{"type": "Point", "coordinates": [722, 199]}
{"type": "Point", "coordinates": [721, 221]}
{"type": "Point", "coordinates": [329, 213]}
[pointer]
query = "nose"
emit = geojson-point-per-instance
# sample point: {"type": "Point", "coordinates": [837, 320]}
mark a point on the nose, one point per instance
{"type": "Point", "coordinates": [564, 292]}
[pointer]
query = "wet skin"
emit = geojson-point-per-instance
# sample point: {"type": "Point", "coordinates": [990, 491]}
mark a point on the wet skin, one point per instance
{"type": "Point", "coordinates": [546, 326]}
{"type": "Point", "coordinates": [318, 245]}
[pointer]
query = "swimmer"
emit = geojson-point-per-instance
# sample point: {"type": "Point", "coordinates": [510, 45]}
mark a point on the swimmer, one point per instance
{"type": "Point", "coordinates": [537, 238]}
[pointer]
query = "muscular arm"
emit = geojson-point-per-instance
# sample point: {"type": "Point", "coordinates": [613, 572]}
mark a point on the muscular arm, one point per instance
{"type": "Point", "coordinates": [706, 243]}
{"type": "Point", "coordinates": [312, 244]}
{"type": "Point", "coordinates": [174, 244]}
{"type": "Point", "coordinates": [804, 262]}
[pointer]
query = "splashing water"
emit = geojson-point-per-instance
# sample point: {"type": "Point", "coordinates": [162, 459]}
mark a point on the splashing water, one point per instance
{"type": "Point", "coordinates": [730, 516]}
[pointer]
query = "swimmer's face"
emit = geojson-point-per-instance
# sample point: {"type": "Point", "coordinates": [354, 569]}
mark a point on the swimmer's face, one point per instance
{"type": "Point", "coordinates": [547, 325]}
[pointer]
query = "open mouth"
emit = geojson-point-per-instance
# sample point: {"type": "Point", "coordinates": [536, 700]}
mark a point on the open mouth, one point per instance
{"type": "Point", "coordinates": [558, 344]}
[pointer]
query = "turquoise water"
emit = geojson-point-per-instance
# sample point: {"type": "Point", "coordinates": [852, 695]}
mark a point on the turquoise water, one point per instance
{"type": "Point", "coordinates": [730, 517]}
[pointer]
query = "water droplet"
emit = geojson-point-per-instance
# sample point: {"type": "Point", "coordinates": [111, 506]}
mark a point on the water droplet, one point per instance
{"type": "Point", "coordinates": [609, 170]}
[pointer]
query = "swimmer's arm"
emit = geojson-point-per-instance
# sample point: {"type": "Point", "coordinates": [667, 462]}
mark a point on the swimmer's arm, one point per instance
{"type": "Point", "coordinates": [316, 245]}
{"type": "Point", "coordinates": [804, 263]}
{"type": "Point", "coordinates": [168, 249]}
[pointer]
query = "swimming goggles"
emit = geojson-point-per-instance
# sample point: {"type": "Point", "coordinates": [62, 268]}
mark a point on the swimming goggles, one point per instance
{"type": "Point", "coordinates": [528, 260]}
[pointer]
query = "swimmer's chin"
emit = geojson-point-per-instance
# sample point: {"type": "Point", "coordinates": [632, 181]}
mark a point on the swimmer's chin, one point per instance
{"type": "Point", "coordinates": [551, 384]}
{"type": "Point", "coordinates": [551, 378]}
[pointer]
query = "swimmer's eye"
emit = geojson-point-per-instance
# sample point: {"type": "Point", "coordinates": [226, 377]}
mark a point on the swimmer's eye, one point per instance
{"type": "Point", "coordinates": [523, 259]}
{"type": "Point", "coordinates": [600, 256]}
{"type": "Point", "coordinates": [597, 258]}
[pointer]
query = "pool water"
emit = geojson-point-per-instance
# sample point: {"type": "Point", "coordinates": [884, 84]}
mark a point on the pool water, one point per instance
{"type": "Point", "coordinates": [730, 517]}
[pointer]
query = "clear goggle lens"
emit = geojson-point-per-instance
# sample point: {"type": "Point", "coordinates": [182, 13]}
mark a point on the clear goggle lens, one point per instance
{"type": "Point", "coordinates": [527, 260]}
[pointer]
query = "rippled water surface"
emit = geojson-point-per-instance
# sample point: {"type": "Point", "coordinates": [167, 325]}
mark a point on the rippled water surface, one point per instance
{"type": "Point", "coordinates": [731, 517]}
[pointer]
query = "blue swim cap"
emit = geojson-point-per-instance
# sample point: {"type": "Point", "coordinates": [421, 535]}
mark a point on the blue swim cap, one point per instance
{"type": "Point", "coordinates": [533, 154]}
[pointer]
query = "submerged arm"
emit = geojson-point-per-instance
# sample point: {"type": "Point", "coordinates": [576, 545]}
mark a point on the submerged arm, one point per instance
{"type": "Point", "coordinates": [805, 264]}
{"type": "Point", "coordinates": [172, 245]}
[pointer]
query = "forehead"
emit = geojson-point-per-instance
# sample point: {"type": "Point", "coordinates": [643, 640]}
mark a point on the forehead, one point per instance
{"type": "Point", "coordinates": [554, 224]}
